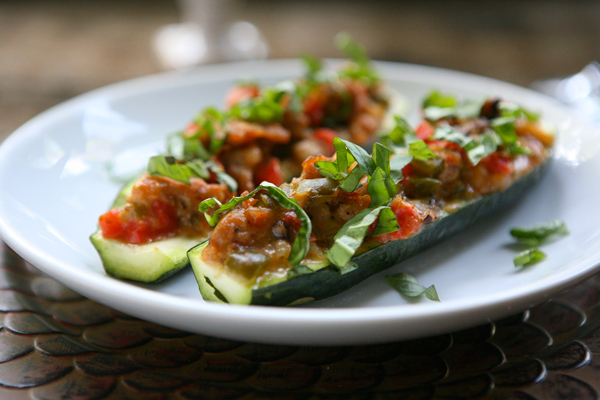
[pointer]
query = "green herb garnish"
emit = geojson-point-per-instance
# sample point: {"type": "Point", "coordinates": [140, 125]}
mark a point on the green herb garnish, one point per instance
{"type": "Point", "coordinates": [313, 66]}
{"type": "Point", "coordinates": [438, 99]}
{"type": "Point", "coordinates": [301, 243]}
{"type": "Point", "coordinates": [210, 124]}
{"type": "Point", "coordinates": [402, 139]}
{"type": "Point", "coordinates": [539, 234]}
{"type": "Point", "coordinates": [182, 171]}
{"type": "Point", "coordinates": [508, 109]}
{"type": "Point", "coordinates": [263, 109]}
{"type": "Point", "coordinates": [351, 235]}
{"type": "Point", "coordinates": [408, 286]}
{"type": "Point", "coordinates": [382, 180]}
{"type": "Point", "coordinates": [401, 135]}
{"type": "Point", "coordinates": [420, 151]}
{"type": "Point", "coordinates": [438, 106]}
{"type": "Point", "coordinates": [528, 257]}
{"type": "Point", "coordinates": [222, 176]}
{"type": "Point", "coordinates": [470, 108]}
{"type": "Point", "coordinates": [179, 171]}
{"type": "Point", "coordinates": [476, 149]}
{"type": "Point", "coordinates": [338, 169]}
{"type": "Point", "coordinates": [534, 236]}
{"type": "Point", "coordinates": [360, 68]}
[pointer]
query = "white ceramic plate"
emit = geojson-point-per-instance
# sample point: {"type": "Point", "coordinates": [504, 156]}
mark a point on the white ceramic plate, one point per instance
{"type": "Point", "coordinates": [54, 185]}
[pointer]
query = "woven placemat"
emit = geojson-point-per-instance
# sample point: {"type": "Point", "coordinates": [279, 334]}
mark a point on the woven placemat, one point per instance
{"type": "Point", "coordinates": [56, 344]}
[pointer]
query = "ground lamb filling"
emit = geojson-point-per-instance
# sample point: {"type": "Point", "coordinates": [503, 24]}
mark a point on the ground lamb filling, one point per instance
{"type": "Point", "coordinates": [253, 152]}
{"type": "Point", "coordinates": [254, 239]}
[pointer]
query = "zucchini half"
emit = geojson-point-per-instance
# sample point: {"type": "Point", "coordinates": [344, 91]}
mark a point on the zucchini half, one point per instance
{"type": "Point", "coordinates": [216, 283]}
{"type": "Point", "coordinates": [150, 262]}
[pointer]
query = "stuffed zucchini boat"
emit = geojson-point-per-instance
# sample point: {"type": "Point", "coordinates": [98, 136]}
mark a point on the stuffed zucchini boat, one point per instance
{"type": "Point", "coordinates": [145, 237]}
{"type": "Point", "coordinates": [264, 134]}
{"type": "Point", "coordinates": [352, 215]}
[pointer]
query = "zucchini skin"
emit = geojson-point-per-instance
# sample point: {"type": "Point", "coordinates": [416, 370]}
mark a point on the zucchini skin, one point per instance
{"type": "Point", "coordinates": [149, 262]}
{"type": "Point", "coordinates": [327, 282]}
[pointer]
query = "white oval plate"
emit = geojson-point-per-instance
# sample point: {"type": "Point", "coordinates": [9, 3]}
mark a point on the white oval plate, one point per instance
{"type": "Point", "coordinates": [54, 185]}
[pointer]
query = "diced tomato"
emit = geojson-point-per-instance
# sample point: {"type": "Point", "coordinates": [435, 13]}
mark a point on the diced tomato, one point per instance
{"type": "Point", "coordinates": [191, 129]}
{"type": "Point", "coordinates": [408, 218]}
{"type": "Point", "coordinates": [269, 171]}
{"type": "Point", "coordinates": [407, 171]}
{"type": "Point", "coordinates": [257, 216]}
{"type": "Point", "coordinates": [497, 163]}
{"type": "Point", "coordinates": [250, 202]}
{"type": "Point", "coordinates": [326, 136]}
{"type": "Point", "coordinates": [110, 224]}
{"type": "Point", "coordinates": [314, 110]}
{"type": "Point", "coordinates": [424, 131]}
{"type": "Point", "coordinates": [309, 171]}
{"type": "Point", "coordinates": [240, 93]}
{"type": "Point", "coordinates": [164, 216]}
{"type": "Point", "coordinates": [161, 221]}
{"type": "Point", "coordinates": [292, 222]}
{"type": "Point", "coordinates": [136, 232]}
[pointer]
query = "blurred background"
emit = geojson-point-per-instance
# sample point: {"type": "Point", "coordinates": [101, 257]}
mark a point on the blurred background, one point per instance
{"type": "Point", "coordinates": [52, 50]}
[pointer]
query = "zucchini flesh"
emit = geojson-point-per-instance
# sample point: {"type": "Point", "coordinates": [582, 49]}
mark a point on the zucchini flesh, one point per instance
{"type": "Point", "coordinates": [149, 262]}
{"type": "Point", "coordinates": [216, 283]}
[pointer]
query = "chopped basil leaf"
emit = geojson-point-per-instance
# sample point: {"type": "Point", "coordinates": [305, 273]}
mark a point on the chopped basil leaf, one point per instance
{"type": "Point", "coordinates": [408, 286]}
{"type": "Point", "coordinates": [329, 169]}
{"type": "Point", "coordinates": [313, 66]}
{"type": "Point", "coordinates": [508, 109]}
{"type": "Point", "coordinates": [352, 181]}
{"type": "Point", "coordinates": [401, 135]}
{"type": "Point", "coordinates": [381, 187]}
{"type": "Point", "coordinates": [212, 121]}
{"type": "Point", "coordinates": [528, 257]}
{"type": "Point", "coordinates": [381, 157]}
{"type": "Point", "coordinates": [338, 169]}
{"type": "Point", "coordinates": [351, 235]}
{"type": "Point", "coordinates": [541, 233]}
{"type": "Point", "coordinates": [420, 151]}
{"type": "Point", "coordinates": [182, 172]}
{"type": "Point", "coordinates": [470, 108]}
{"type": "Point", "coordinates": [398, 162]}
{"type": "Point", "coordinates": [361, 68]}
{"type": "Point", "coordinates": [364, 160]}
{"type": "Point", "coordinates": [452, 135]}
{"type": "Point", "coordinates": [182, 147]}
{"type": "Point", "coordinates": [505, 128]}
{"type": "Point", "coordinates": [387, 222]}
{"type": "Point", "coordinates": [349, 267]}
{"type": "Point", "coordinates": [222, 176]}
{"type": "Point", "coordinates": [290, 88]}
{"type": "Point", "coordinates": [263, 109]}
{"type": "Point", "coordinates": [437, 99]}
{"type": "Point", "coordinates": [301, 243]}
{"type": "Point", "coordinates": [476, 149]}
{"type": "Point", "coordinates": [298, 270]}
{"type": "Point", "coordinates": [406, 147]}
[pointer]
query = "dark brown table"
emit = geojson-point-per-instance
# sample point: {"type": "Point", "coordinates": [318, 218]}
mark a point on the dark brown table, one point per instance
{"type": "Point", "coordinates": [56, 344]}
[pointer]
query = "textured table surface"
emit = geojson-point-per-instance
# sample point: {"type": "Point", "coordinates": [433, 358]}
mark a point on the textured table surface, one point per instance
{"type": "Point", "coordinates": [56, 344]}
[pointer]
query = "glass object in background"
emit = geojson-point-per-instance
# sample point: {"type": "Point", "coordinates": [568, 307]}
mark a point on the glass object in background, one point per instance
{"type": "Point", "coordinates": [210, 32]}
{"type": "Point", "coordinates": [581, 91]}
